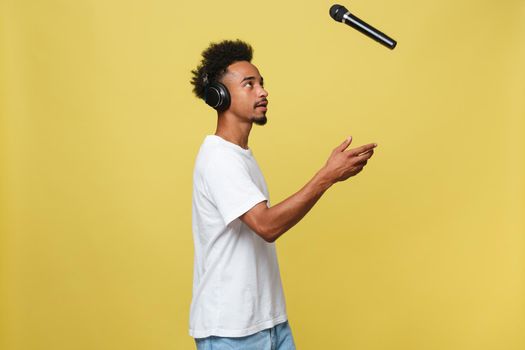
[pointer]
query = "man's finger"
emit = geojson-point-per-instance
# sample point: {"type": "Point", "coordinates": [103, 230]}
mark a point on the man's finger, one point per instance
{"type": "Point", "coordinates": [367, 154]}
{"type": "Point", "coordinates": [362, 159]}
{"type": "Point", "coordinates": [357, 151]}
{"type": "Point", "coordinates": [345, 144]}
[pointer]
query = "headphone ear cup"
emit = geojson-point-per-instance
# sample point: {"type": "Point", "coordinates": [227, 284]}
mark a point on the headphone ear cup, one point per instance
{"type": "Point", "coordinates": [217, 96]}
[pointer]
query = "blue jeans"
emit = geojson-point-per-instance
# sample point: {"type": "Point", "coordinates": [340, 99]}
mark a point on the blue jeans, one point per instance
{"type": "Point", "coordinates": [278, 337]}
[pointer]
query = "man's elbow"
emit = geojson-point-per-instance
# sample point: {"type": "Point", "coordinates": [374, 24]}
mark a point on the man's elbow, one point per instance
{"type": "Point", "coordinates": [269, 234]}
{"type": "Point", "coordinates": [270, 238]}
{"type": "Point", "coordinates": [262, 230]}
{"type": "Point", "coordinates": [261, 223]}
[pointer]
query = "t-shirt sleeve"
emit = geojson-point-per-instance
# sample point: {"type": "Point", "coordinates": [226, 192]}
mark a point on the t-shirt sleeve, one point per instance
{"type": "Point", "coordinates": [230, 186]}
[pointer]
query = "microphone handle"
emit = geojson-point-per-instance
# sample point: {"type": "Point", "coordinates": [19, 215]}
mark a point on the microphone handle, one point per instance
{"type": "Point", "coordinates": [368, 30]}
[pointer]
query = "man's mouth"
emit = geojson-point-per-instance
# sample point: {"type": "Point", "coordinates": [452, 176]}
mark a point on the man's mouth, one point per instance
{"type": "Point", "coordinates": [262, 104]}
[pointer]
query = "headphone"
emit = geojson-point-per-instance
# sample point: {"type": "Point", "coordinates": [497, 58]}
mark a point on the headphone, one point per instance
{"type": "Point", "coordinates": [216, 95]}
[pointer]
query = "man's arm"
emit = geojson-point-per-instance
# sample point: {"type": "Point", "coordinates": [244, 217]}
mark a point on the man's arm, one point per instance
{"type": "Point", "coordinates": [271, 223]}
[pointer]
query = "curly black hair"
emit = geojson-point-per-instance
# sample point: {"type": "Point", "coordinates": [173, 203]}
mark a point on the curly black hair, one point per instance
{"type": "Point", "coordinates": [215, 61]}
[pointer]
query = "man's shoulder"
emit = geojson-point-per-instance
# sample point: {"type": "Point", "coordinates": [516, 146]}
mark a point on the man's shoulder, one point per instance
{"type": "Point", "coordinates": [214, 156]}
{"type": "Point", "coordinates": [216, 152]}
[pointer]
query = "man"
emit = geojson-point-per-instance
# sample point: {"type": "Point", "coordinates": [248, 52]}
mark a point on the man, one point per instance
{"type": "Point", "coordinates": [238, 300]}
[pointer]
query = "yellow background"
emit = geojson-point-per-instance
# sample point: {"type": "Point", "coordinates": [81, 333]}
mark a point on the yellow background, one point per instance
{"type": "Point", "coordinates": [99, 129]}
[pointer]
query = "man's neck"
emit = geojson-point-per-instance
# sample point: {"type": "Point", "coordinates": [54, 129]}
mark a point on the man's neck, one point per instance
{"type": "Point", "coordinates": [232, 131]}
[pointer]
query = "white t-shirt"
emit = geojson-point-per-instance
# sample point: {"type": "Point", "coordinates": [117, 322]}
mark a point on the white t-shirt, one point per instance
{"type": "Point", "coordinates": [237, 288]}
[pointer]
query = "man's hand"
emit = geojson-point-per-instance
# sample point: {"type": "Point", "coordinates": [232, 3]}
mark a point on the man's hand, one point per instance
{"type": "Point", "coordinates": [343, 163]}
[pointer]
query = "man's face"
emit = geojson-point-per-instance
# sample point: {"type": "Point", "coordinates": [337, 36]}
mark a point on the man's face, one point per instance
{"type": "Point", "coordinates": [248, 96]}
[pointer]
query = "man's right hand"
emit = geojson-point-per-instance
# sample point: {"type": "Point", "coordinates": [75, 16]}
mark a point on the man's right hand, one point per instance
{"type": "Point", "coordinates": [343, 163]}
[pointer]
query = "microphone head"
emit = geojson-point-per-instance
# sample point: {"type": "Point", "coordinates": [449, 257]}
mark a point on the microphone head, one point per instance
{"type": "Point", "coordinates": [337, 12]}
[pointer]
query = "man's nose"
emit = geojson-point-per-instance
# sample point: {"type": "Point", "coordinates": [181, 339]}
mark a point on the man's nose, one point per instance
{"type": "Point", "coordinates": [263, 92]}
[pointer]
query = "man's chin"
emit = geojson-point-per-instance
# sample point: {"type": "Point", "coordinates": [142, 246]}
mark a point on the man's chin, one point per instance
{"type": "Point", "coordinates": [260, 120]}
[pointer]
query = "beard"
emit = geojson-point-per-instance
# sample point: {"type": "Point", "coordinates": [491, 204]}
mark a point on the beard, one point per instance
{"type": "Point", "coordinates": [260, 120]}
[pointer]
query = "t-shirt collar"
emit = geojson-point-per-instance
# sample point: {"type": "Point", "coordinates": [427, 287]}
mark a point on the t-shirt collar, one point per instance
{"type": "Point", "coordinates": [230, 144]}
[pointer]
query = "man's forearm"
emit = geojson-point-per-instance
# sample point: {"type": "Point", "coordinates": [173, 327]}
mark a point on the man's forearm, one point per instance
{"type": "Point", "coordinates": [270, 223]}
{"type": "Point", "coordinates": [280, 218]}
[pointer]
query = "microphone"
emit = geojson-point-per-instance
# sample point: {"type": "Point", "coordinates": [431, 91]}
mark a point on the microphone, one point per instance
{"type": "Point", "coordinates": [341, 14]}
